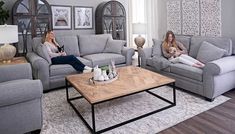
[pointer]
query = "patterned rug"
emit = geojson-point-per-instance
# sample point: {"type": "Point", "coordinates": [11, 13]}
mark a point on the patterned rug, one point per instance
{"type": "Point", "coordinates": [60, 118]}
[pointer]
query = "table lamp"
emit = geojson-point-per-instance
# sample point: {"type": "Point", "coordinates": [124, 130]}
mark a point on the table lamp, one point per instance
{"type": "Point", "coordinates": [139, 28]}
{"type": "Point", "coordinates": [8, 34]}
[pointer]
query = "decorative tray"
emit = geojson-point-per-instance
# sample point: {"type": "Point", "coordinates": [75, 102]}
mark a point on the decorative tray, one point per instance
{"type": "Point", "coordinates": [96, 82]}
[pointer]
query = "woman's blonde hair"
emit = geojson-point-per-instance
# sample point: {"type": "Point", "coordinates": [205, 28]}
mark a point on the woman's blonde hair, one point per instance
{"type": "Point", "coordinates": [165, 43]}
{"type": "Point", "coordinates": [45, 36]}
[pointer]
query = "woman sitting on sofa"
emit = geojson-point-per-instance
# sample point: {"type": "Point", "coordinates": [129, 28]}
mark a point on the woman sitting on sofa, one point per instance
{"type": "Point", "coordinates": [176, 52]}
{"type": "Point", "coordinates": [60, 57]}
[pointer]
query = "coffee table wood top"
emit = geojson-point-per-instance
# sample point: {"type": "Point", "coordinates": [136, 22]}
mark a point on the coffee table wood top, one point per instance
{"type": "Point", "coordinates": [131, 80]}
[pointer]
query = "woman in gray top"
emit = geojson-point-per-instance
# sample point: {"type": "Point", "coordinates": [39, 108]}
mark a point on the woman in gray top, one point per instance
{"type": "Point", "coordinates": [60, 57]}
{"type": "Point", "coordinates": [176, 52]}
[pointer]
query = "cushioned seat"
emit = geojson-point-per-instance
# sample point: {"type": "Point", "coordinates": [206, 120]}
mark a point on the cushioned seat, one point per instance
{"type": "Point", "coordinates": [85, 61]}
{"type": "Point", "coordinates": [102, 59]}
{"type": "Point", "coordinates": [187, 71]}
{"type": "Point", "coordinates": [64, 69]}
{"type": "Point", "coordinates": [160, 63]}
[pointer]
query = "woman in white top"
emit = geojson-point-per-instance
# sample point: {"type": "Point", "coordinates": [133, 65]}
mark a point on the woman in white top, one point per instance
{"type": "Point", "coordinates": [61, 57]}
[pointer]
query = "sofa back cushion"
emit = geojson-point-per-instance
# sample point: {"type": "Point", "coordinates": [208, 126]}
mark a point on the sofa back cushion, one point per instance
{"type": "Point", "coordinates": [40, 49]}
{"type": "Point", "coordinates": [70, 44]}
{"type": "Point", "coordinates": [36, 41]}
{"type": "Point", "coordinates": [91, 44]}
{"type": "Point", "coordinates": [157, 48]}
{"type": "Point", "coordinates": [114, 46]}
{"type": "Point", "coordinates": [185, 40]}
{"type": "Point", "coordinates": [209, 52]}
{"type": "Point", "coordinates": [223, 43]}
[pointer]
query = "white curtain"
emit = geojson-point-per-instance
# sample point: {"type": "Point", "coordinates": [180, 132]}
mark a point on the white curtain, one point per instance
{"type": "Point", "coordinates": [151, 17]}
{"type": "Point", "coordinates": [143, 11]}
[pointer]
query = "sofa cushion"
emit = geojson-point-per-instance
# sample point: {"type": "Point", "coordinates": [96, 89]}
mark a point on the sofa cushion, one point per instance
{"type": "Point", "coordinates": [36, 41]}
{"type": "Point", "coordinates": [209, 52]}
{"type": "Point", "coordinates": [92, 44]}
{"type": "Point", "coordinates": [114, 46]}
{"type": "Point", "coordinates": [70, 44]}
{"type": "Point", "coordinates": [220, 42]}
{"type": "Point", "coordinates": [85, 61]}
{"type": "Point", "coordinates": [157, 48]}
{"type": "Point", "coordinates": [158, 62]}
{"type": "Point", "coordinates": [187, 71]}
{"type": "Point", "coordinates": [63, 69]}
{"type": "Point", "coordinates": [41, 50]}
{"type": "Point", "coordinates": [185, 40]}
{"type": "Point", "coordinates": [66, 69]}
{"type": "Point", "coordinates": [103, 59]}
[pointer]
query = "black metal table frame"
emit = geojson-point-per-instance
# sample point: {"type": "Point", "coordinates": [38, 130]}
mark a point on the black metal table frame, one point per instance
{"type": "Point", "coordinates": [93, 128]}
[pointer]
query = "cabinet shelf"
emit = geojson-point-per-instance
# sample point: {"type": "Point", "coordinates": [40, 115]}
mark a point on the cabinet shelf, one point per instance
{"type": "Point", "coordinates": [111, 18]}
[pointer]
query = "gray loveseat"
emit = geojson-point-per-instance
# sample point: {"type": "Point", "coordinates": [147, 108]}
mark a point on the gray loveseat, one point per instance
{"type": "Point", "coordinates": [20, 100]}
{"type": "Point", "coordinates": [217, 77]}
{"type": "Point", "coordinates": [92, 50]}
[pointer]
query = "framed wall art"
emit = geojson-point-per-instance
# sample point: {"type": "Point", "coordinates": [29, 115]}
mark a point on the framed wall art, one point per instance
{"type": "Point", "coordinates": [83, 17]}
{"type": "Point", "coordinates": [61, 17]}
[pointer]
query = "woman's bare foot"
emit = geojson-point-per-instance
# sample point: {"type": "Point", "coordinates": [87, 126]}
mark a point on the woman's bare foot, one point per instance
{"type": "Point", "coordinates": [199, 65]}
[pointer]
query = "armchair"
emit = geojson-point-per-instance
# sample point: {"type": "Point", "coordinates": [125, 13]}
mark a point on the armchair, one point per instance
{"type": "Point", "coordinates": [20, 100]}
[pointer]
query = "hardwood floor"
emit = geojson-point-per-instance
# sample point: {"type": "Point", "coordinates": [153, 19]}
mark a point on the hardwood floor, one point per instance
{"type": "Point", "coordinates": [218, 120]}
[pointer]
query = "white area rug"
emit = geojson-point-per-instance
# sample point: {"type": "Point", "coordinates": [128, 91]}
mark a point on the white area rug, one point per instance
{"type": "Point", "coordinates": [60, 118]}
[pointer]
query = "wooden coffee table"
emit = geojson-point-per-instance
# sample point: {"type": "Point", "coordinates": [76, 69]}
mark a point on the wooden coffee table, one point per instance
{"type": "Point", "coordinates": [132, 80]}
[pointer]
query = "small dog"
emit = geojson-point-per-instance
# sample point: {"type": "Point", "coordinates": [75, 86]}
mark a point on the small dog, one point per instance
{"type": "Point", "coordinates": [172, 50]}
{"type": "Point", "coordinates": [60, 48]}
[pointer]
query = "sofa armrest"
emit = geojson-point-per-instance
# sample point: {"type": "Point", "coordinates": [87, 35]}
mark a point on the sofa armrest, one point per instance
{"type": "Point", "coordinates": [220, 66]}
{"type": "Point", "coordinates": [128, 53]}
{"type": "Point", "coordinates": [14, 72]}
{"type": "Point", "coordinates": [40, 68]}
{"type": "Point", "coordinates": [17, 91]}
{"type": "Point", "coordinates": [144, 54]}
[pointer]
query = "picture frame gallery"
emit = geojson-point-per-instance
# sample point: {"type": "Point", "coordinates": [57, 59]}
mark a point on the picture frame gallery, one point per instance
{"type": "Point", "coordinates": [62, 17]}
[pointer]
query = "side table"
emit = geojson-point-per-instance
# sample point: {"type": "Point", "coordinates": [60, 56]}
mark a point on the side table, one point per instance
{"type": "Point", "coordinates": [15, 60]}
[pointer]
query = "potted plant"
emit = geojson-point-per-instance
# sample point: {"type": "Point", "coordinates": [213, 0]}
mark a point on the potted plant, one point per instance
{"type": "Point", "coordinates": [4, 14]}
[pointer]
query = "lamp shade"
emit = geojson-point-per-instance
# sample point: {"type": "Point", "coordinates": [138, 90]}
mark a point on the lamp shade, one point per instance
{"type": "Point", "coordinates": [8, 34]}
{"type": "Point", "coordinates": [139, 28]}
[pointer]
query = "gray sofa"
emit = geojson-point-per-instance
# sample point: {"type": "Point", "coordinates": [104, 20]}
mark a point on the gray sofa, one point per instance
{"type": "Point", "coordinates": [92, 50]}
{"type": "Point", "coordinates": [217, 77]}
{"type": "Point", "coordinates": [20, 100]}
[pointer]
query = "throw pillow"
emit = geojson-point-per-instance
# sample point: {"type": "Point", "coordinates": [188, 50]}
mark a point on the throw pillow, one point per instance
{"type": "Point", "coordinates": [157, 48]}
{"type": "Point", "coordinates": [42, 51]}
{"type": "Point", "coordinates": [114, 46]}
{"type": "Point", "coordinates": [209, 52]}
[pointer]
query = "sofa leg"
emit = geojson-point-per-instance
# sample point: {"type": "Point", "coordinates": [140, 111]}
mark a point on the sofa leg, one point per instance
{"type": "Point", "coordinates": [36, 131]}
{"type": "Point", "coordinates": [210, 99]}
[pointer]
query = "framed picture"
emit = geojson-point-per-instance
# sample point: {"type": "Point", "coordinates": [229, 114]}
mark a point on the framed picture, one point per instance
{"type": "Point", "coordinates": [83, 18]}
{"type": "Point", "coordinates": [61, 17]}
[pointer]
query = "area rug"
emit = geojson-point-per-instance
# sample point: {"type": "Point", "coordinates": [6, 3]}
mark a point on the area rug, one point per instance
{"type": "Point", "coordinates": [60, 118]}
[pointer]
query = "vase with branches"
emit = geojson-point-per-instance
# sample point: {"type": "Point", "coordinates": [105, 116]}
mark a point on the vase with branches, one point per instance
{"type": "Point", "coordinates": [4, 14]}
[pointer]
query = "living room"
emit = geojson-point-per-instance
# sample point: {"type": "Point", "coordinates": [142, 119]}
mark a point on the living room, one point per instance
{"type": "Point", "coordinates": [118, 66]}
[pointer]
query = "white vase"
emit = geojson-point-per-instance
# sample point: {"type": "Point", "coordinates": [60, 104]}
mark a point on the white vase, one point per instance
{"type": "Point", "coordinates": [97, 73]}
{"type": "Point", "coordinates": [7, 52]}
